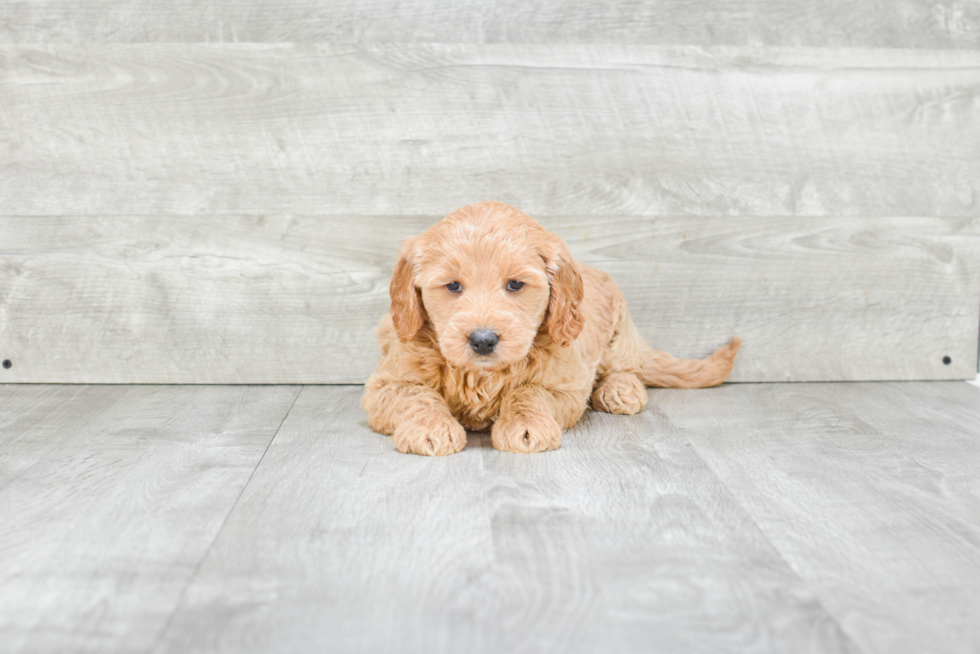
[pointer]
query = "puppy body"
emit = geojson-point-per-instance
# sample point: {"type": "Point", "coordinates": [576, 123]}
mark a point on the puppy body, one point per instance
{"type": "Point", "coordinates": [565, 337]}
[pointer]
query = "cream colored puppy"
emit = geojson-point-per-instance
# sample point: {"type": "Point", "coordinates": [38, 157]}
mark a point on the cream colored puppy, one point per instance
{"type": "Point", "coordinates": [493, 325]}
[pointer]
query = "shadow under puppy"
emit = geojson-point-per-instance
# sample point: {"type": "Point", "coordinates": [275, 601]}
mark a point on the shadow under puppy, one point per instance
{"type": "Point", "coordinates": [493, 325]}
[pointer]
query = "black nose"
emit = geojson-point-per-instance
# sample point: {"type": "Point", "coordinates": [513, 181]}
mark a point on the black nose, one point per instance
{"type": "Point", "coordinates": [483, 340]}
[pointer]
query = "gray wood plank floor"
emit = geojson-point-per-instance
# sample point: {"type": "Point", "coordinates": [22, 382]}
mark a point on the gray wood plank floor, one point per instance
{"type": "Point", "coordinates": [751, 517]}
{"type": "Point", "coordinates": [109, 498]}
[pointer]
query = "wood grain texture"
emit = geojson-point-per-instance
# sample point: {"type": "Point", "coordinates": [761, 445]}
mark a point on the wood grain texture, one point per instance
{"type": "Point", "coordinates": [344, 544]}
{"type": "Point", "coordinates": [869, 491]}
{"type": "Point", "coordinates": [34, 421]}
{"type": "Point", "coordinates": [751, 517]}
{"type": "Point", "coordinates": [110, 497]}
{"type": "Point", "coordinates": [623, 542]}
{"type": "Point", "coordinates": [295, 299]}
{"type": "Point", "coordinates": [620, 541]}
{"type": "Point", "coordinates": [198, 129]}
{"type": "Point", "coordinates": [916, 23]}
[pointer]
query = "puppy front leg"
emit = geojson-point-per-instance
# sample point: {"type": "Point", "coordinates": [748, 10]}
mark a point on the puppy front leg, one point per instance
{"type": "Point", "coordinates": [417, 418]}
{"type": "Point", "coordinates": [532, 417]}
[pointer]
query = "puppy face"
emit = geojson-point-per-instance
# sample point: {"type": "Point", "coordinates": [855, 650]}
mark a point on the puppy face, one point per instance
{"type": "Point", "coordinates": [485, 298]}
{"type": "Point", "coordinates": [487, 278]}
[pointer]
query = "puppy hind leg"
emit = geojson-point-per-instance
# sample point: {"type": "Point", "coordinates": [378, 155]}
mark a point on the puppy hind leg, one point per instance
{"type": "Point", "coordinates": [620, 388]}
{"type": "Point", "coordinates": [619, 392]}
{"type": "Point", "coordinates": [628, 352]}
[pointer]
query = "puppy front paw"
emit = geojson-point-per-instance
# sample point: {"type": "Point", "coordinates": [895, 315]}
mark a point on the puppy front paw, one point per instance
{"type": "Point", "coordinates": [621, 393]}
{"type": "Point", "coordinates": [430, 434]}
{"type": "Point", "coordinates": [524, 433]}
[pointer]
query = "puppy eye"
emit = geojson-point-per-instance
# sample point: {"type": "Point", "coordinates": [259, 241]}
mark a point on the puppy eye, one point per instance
{"type": "Point", "coordinates": [454, 287]}
{"type": "Point", "coordinates": [514, 285]}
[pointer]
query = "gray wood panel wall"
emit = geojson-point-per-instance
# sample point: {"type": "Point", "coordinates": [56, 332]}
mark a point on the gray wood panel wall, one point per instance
{"type": "Point", "coordinates": [294, 299]}
{"type": "Point", "coordinates": [860, 23]}
{"type": "Point", "coordinates": [214, 192]}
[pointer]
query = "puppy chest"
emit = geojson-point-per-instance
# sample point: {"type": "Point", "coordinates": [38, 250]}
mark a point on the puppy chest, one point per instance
{"type": "Point", "coordinates": [474, 400]}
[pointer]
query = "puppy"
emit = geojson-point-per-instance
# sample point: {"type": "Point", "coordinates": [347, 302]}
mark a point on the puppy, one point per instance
{"type": "Point", "coordinates": [494, 326]}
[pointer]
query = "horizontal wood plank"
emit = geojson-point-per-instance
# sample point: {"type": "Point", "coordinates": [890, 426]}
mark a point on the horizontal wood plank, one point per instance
{"type": "Point", "coordinates": [111, 496]}
{"type": "Point", "coordinates": [918, 23]}
{"type": "Point", "coordinates": [200, 129]}
{"type": "Point", "coordinates": [295, 299]}
{"type": "Point", "coordinates": [620, 541]}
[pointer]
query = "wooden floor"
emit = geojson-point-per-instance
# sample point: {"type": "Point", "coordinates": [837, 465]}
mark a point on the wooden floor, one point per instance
{"type": "Point", "coordinates": [750, 517]}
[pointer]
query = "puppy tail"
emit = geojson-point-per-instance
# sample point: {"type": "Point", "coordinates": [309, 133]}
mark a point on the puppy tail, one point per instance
{"type": "Point", "coordinates": [662, 370]}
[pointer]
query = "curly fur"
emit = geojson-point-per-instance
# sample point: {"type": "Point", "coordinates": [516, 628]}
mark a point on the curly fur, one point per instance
{"type": "Point", "coordinates": [566, 339]}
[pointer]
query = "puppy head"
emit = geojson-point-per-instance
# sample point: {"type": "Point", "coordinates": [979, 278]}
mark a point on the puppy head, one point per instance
{"type": "Point", "coordinates": [488, 279]}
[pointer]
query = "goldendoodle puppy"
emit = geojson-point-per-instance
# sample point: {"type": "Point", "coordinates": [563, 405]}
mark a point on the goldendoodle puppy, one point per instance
{"type": "Point", "coordinates": [493, 325]}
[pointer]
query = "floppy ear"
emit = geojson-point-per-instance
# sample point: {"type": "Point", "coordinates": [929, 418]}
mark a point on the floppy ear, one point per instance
{"type": "Point", "coordinates": [406, 305]}
{"type": "Point", "coordinates": [565, 320]}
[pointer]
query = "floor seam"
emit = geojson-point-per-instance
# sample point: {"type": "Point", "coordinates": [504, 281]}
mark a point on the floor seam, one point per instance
{"type": "Point", "coordinates": [855, 647]}
{"type": "Point", "coordinates": [197, 568]}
